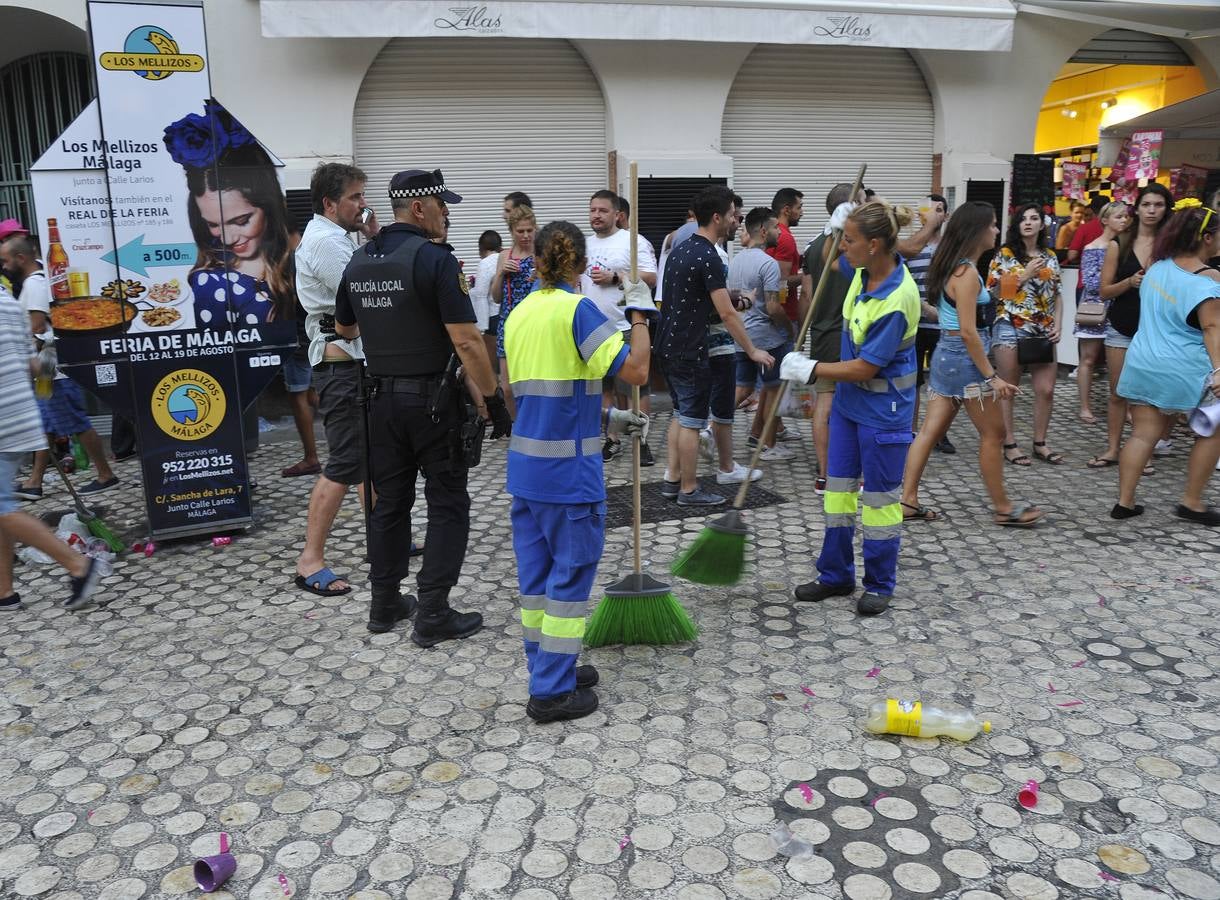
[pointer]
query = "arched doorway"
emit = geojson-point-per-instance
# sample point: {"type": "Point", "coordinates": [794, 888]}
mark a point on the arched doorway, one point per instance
{"type": "Point", "coordinates": [42, 93]}
{"type": "Point", "coordinates": [793, 119]}
{"type": "Point", "coordinates": [496, 115]}
{"type": "Point", "coordinates": [1118, 76]}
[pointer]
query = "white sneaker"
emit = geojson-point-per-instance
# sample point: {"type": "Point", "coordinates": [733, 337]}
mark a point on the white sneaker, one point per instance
{"type": "Point", "coordinates": [777, 453]}
{"type": "Point", "coordinates": [707, 447]}
{"type": "Point", "coordinates": [788, 434]}
{"type": "Point", "coordinates": [738, 475]}
{"type": "Point", "coordinates": [1162, 448]}
{"type": "Point", "coordinates": [1072, 374]}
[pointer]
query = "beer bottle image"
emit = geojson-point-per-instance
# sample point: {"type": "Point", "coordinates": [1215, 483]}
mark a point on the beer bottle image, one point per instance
{"type": "Point", "coordinates": [57, 263]}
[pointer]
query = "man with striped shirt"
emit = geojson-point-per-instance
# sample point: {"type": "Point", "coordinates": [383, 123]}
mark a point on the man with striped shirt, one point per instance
{"type": "Point", "coordinates": [21, 433]}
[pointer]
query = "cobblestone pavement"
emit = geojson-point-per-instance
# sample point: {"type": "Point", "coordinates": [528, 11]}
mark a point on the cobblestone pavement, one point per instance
{"type": "Point", "coordinates": [209, 696]}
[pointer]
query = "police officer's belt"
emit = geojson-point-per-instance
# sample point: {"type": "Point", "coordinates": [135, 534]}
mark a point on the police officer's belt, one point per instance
{"type": "Point", "coordinates": [397, 384]}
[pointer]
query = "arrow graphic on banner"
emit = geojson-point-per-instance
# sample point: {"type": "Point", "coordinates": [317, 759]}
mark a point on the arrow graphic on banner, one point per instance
{"type": "Point", "coordinates": [140, 257]}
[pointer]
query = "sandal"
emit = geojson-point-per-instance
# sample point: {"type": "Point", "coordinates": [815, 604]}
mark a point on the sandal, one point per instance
{"type": "Point", "coordinates": [1019, 460]}
{"type": "Point", "coordinates": [1101, 462]}
{"type": "Point", "coordinates": [1022, 515]}
{"type": "Point", "coordinates": [1149, 469]}
{"type": "Point", "coordinates": [922, 513]}
{"type": "Point", "coordinates": [1050, 456]}
{"type": "Point", "coordinates": [1088, 418]}
{"type": "Point", "coordinates": [320, 582]}
{"type": "Point", "coordinates": [300, 469]}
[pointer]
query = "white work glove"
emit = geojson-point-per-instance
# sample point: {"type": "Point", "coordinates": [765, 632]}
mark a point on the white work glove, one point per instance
{"type": "Point", "coordinates": [797, 368]}
{"type": "Point", "coordinates": [838, 218]}
{"type": "Point", "coordinates": [624, 421]}
{"type": "Point", "coordinates": [637, 296]}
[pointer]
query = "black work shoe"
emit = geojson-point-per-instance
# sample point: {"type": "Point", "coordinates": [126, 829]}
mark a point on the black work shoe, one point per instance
{"type": "Point", "coordinates": [872, 604]}
{"type": "Point", "coordinates": [586, 677]}
{"type": "Point", "coordinates": [448, 625]}
{"type": "Point", "coordinates": [944, 445]}
{"type": "Point", "coordinates": [384, 615]}
{"type": "Point", "coordinates": [573, 705]}
{"type": "Point", "coordinates": [816, 592]}
{"type": "Point", "coordinates": [646, 455]}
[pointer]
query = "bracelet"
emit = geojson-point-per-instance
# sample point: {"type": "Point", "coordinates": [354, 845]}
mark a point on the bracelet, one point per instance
{"type": "Point", "coordinates": [644, 324]}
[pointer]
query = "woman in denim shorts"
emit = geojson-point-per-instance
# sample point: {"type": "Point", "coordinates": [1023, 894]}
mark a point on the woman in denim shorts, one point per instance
{"type": "Point", "coordinates": [1024, 276]}
{"type": "Point", "coordinates": [956, 378]}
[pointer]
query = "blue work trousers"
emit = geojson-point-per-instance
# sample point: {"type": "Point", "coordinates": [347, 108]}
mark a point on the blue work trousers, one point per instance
{"type": "Point", "coordinates": [558, 547]}
{"type": "Point", "coordinates": [880, 456]}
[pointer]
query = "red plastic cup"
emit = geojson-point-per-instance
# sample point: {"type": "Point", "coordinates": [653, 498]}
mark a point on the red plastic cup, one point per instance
{"type": "Point", "coordinates": [1028, 795]}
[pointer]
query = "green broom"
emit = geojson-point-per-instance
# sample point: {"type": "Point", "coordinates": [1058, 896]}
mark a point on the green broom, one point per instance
{"type": "Point", "coordinates": [94, 523]}
{"type": "Point", "coordinates": [718, 555]}
{"type": "Point", "coordinates": [638, 609]}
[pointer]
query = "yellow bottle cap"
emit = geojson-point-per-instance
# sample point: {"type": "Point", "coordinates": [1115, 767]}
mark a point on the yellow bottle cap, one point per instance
{"type": "Point", "coordinates": [987, 728]}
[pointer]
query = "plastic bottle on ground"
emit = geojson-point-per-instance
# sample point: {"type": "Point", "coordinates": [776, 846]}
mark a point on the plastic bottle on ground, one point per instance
{"type": "Point", "coordinates": [79, 456]}
{"type": "Point", "coordinates": [912, 718]}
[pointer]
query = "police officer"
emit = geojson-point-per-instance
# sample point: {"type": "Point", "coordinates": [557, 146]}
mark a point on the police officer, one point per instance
{"type": "Point", "coordinates": [404, 294]}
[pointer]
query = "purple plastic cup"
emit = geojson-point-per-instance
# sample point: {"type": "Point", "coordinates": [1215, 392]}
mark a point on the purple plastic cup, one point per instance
{"type": "Point", "coordinates": [213, 871]}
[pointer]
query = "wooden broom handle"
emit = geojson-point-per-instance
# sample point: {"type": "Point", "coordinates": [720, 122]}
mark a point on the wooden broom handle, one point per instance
{"type": "Point", "coordinates": [773, 413]}
{"type": "Point", "coordinates": [633, 227]}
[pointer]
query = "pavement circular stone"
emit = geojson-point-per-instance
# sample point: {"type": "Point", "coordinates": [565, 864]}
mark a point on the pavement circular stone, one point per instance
{"type": "Point", "coordinates": [343, 764]}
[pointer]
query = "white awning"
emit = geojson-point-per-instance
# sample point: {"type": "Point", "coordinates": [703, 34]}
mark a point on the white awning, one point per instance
{"type": "Point", "coordinates": [1186, 19]}
{"type": "Point", "coordinates": [936, 25]}
{"type": "Point", "coordinates": [1195, 119]}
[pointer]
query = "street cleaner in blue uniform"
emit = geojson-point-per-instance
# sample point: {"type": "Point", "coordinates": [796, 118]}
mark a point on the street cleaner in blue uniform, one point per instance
{"type": "Point", "coordinates": [559, 347]}
{"type": "Point", "coordinates": [870, 421]}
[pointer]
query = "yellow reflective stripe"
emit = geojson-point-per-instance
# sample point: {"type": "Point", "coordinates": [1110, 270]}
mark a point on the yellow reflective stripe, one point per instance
{"type": "Point", "coordinates": [538, 338]}
{"type": "Point", "coordinates": [532, 618]}
{"type": "Point", "coordinates": [553, 626]}
{"type": "Point", "coordinates": [837, 502]}
{"type": "Point", "coordinates": [881, 515]}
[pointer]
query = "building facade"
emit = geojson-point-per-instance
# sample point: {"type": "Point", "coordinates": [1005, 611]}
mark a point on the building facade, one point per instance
{"type": "Point", "coordinates": [554, 97]}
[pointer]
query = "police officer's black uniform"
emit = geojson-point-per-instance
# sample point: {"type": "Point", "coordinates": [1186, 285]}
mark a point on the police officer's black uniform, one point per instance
{"type": "Point", "coordinates": [402, 289]}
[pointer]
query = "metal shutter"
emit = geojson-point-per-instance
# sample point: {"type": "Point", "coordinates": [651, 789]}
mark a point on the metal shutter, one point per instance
{"type": "Point", "coordinates": [496, 115]}
{"type": "Point", "coordinates": [807, 117]}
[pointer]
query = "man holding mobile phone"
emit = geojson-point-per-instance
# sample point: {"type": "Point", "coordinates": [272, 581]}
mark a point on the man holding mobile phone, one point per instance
{"type": "Point", "coordinates": [337, 192]}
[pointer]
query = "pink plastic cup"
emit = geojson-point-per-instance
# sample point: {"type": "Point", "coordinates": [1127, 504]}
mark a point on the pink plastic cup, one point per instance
{"type": "Point", "coordinates": [1028, 795]}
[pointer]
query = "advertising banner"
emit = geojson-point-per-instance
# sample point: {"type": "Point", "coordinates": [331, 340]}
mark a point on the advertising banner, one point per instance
{"type": "Point", "coordinates": [1143, 160]}
{"type": "Point", "coordinates": [166, 240]}
{"type": "Point", "coordinates": [1187, 181]}
{"type": "Point", "coordinates": [1075, 180]}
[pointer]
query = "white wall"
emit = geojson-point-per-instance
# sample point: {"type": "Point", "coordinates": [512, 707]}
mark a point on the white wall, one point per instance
{"type": "Point", "coordinates": [664, 100]}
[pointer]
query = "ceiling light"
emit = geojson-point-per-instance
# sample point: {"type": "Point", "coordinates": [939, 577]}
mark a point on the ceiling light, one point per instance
{"type": "Point", "coordinates": [1108, 104]}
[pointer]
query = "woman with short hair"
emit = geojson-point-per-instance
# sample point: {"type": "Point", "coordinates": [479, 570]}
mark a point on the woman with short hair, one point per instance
{"type": "Point", "coordinates": [1173, 363]}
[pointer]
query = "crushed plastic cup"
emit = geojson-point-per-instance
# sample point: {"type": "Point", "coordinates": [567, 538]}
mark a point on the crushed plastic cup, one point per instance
{"type": "Point", "coordinates": [213, 871]}
{"type": "Point", "coordinates": [1028, 795]}
{"type": "Point", "coordinates": [34, 556]}
{"type": "Point", "coordinates": [222, 540]}
{"type": "Point", "coordinates": [788, 844]}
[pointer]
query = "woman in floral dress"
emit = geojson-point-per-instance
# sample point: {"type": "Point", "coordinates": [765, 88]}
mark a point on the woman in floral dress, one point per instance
{"type": "Point", "coordinates": [1024, 277]}
{"type": "Point", "coordinates": [513, 281]}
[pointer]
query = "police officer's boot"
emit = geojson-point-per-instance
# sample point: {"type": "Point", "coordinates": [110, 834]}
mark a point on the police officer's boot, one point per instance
{"type": "Point", "coordinates": [437, 621]}
{"type": "Point", "coordinates": [384, 614]}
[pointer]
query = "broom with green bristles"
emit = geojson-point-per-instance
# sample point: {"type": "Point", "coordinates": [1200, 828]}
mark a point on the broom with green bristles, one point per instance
{"type": "Point", "coordinates": [718, 554]}
{"type": "Point", "coordinates": [638, 609]}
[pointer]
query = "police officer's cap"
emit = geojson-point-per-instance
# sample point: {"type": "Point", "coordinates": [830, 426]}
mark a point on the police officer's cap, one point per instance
{"type": "Point", "coordinates": [418, 183]}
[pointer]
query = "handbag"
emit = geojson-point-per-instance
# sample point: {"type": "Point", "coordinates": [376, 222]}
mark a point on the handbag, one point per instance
{"type": "Point", "coordinates": [1034, 349]}
{"type": "Point", "coordinates": [1091, 313]}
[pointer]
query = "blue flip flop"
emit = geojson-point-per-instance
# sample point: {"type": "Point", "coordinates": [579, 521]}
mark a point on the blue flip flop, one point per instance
{"type": "Point", "coordinates": [319, 582]}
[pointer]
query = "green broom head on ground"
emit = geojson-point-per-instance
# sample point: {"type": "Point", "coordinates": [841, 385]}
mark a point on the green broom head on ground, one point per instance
{"type": "Point", "coordinates": [639, 610]}
{"type": "Point", "coordinates": [718, 555]}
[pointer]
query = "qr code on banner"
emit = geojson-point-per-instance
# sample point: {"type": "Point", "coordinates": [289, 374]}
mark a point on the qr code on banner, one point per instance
{"type": "Point", "coordinates": [106, 374]}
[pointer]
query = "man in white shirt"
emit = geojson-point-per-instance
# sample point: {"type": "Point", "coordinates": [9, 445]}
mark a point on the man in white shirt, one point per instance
{"type": "Point", "coordinates": [326, 247]}
{"type": "Point", "coordinates": [487, 308]}
{"type": "Point", "coordinates": [608, 252]}
{"type": "Point", "coordinates": [63, 413]}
